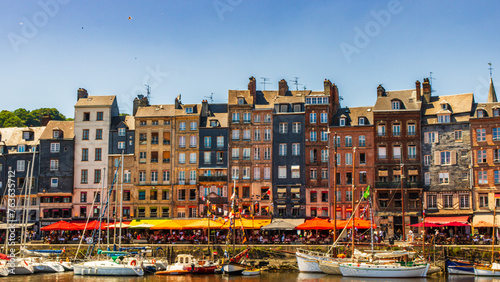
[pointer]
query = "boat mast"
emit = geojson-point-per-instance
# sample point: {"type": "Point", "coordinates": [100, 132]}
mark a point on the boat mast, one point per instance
{"type": "Point", "coordinates": [121, 208]}
{"type": "Point", "coordinates": [423, 235]}
{"type": "Point", "coordinates": [234, 217]}
{"type": "Point", "coordinates": [371, 219]}
{"type": "Point", "coordinates": [28, 204]}
{"type": "Point", "coordinates": [25, 186]}
{"type": "Point", "coordinates": [493, 235]}
{"type": "Point", "coordinates": [334, 187]}
{"type": "Point", "coordinates": [402, 198]}
{"type": "Point", "coordinates": [208, 217]}
{"type": "Point", "coordinates": [353, 189]}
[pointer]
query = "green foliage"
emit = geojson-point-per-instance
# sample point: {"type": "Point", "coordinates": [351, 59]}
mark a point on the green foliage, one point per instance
{"type": "Point", "coordinates": [22, 117]}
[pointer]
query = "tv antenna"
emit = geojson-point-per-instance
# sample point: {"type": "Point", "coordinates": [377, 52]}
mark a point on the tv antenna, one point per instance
{"type": "Point", "coordinates": [265, 81]}
{"type": "Point", "coordinates": [430, 81]}
{"type": "Point", "coordinates": [296, 82]}
{"type": "Point", "coordinates": [211, 97]}
{"type": "Point", "coordinates": [148, 92]}
{"type": "Point", "coordinates": [490, 68]}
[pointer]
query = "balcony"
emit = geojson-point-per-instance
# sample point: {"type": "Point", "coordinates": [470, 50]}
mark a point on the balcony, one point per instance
{"type": "Point", "coordinates": [192, 181]}
{"type": "Point", "coordinates": [412, 133]}
{"type": "Point", "coordinates": [142, 161]}
{"type": "Point", "coordinates": [215, 178]}
{"type": "Point", "coordinates": [182, 182]}
{"type": "Point", "coordinates": [393, 185]}
{"type": "Point", "coordinates": [166, 142]}
{"type": "Point", "coordinates": [141, 214]}
{"type": "Point", "coordinates": [154, 160]}
{"type": "Point", "coordinates": [166, 161]}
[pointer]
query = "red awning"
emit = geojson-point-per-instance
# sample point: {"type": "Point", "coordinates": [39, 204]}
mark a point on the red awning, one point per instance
{"type": "Point", "coordinates": [325, 209]}
{"type": "Point", "coordinates": [446, 219]}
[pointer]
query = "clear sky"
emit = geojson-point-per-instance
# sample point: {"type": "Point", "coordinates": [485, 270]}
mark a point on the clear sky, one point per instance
{"type": "Point", "coordinates": [50, 48]}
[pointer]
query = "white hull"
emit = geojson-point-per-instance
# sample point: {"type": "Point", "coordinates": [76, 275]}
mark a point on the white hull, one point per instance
{"type": "Point", "coordinates": [456, 271]}
{"type": "Point", "coordinates": [486, 272]}
{"type": "Point", "coordinates": [250, 272]}
{"type": "Point", "coordinates": [308, 263]}
{"type": "Point", "coordinates": [382, 271]}
{"type": "Point", "coordinates": [330, 267]}
{"type": "Point", "coordinates": [107, 268]}
{"type": "Point", "coordinates": [48, 267]}
{"type": "Point", "coordinates": [21, 267]}
{"type": "Point", "coordinates": [232, 269]}
{"type": "Point", "coordinates": [4, 271]}
{"type": "Point", "coordinates": [68, 266]}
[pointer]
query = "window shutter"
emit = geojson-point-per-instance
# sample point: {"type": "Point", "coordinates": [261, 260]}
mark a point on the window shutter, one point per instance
{"type": "Point", "coordinates": [453, 157]}
{"type": "Point", "coordinates": [426, 137]}
{"type": "Point", "coordinates": [224, 191]}
{"type": "Point", "coordinates": [436, 140]}
{"type": "Point", "coordinates": [437, 158]}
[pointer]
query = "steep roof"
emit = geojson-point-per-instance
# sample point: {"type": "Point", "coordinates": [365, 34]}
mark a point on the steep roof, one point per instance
{"type": "Point", "coordinates": [488, 107]}
{"type": "Point", "coordinates": [129, 121]}
{"type": "Point", "coordinates": [67, 127]}
{"type": "Point", "coordinates": [407, 97]}
{"type": "Point", "coordinates": [492, 95]}
{"type": "Point", "coordinates": [459, 106]}
{"type": "Point", "coordinates": [182, 110]}
{"type": "Point", "coordinates": [352, 115]}
{"type": "Point", "coordinates": [92, 101]}
{"type": "Point", "coordinates": [13, 136]}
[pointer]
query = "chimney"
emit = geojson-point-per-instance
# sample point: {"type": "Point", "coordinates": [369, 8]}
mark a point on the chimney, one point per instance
{"type": "Point", "coordinates": [380, 91]}
{"type": "Point", "coordinates": [332, 92]}
{"type": "Point", "coordinates": [426, 86]}
{"type": "Point", "coordinates": [178, 102]}
{"type": "Point", "coordinates": [139, 101]}
{"type": "Point", "coordinates": [45, 120]}
{"type": "Point", "coordinates": [82, 94]}
{"type": "Point", "coordinates": [204, 108]}
{"type": "Point", "coordinates": [419, 93]}
{"type": "Point", "coordinates": [283, 87]}
{"type": "Point", "coordinates": [252, 86]}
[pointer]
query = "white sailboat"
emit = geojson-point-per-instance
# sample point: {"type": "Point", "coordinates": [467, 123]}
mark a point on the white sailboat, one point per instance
{"type": "Point", "coordinates": [21, 267]}
{"type": "Point", "coordinates": [392, 270]}
{"type": "Point", "coordinates": [108, 268]}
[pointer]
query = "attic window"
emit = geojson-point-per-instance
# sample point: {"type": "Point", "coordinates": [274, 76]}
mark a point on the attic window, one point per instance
{"type": "Point", "coordinates": [361, 120]}
{"type": "Point", "coordinates": [27, 135]}
{"type": "Point", "coordinates": [444, 107]}
{"type": "Point", "coordinates": [55, 134]}
{"type": "Point", "coordinates": [395, 105]}
{"type": "Point", "coordinates": [342, 122]}
{"type": "Point", "coordinates": [443, 118]}
{"type": "Point", "coordinates": [496, 112]}
{"type": "Point", "coordinates": [241, 101]}
{"type": "Point", "coordinates": [213, 123]}
{"type": "Point", "coordinates": [480, 113]}
{"type": "Point", "coordinates": [189, 110]}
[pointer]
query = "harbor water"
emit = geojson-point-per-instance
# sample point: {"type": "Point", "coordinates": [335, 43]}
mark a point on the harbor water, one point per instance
{"type": "Point", "coordinates": [275, 277]}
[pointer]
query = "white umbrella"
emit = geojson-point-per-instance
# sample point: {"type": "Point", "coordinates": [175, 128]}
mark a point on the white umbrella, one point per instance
{"type": "Point", "coordinates": [142, 226]}
{"type": "Point", "coordinates": [117, 225]}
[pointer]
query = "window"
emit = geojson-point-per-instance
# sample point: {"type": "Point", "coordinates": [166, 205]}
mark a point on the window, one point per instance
{"type": "Point", "coordinates": [361, 120]}
{"type": "Point", "coordinates": [83, 197]}
{"type": "Point", "coordinates": [98, 154]}
{"type": "Point", "coordinates": [295, 171]}
{"type": "Point", "coordinates": [445, 158]}
{"type": "Point", "coordinates": [267, 173]}
{"type": "Point", "coordinates": [362, 141]}
{"type": "Point", "coordinates": [381, 130]}
{"type": "Point", "coordinates": [348, 196]}
{"type": "Point", "coordinates": [412, 151]}
{"type": "Point", "coordinates": [241, 101]}
{"type": "Point", "coordinates": [235, 153]}
{"type": "Point", "coordinates": [86, 116]}
{"type": "Point", "coordinates": [192, 141]}
{"type": "Point", "coordinates": [362, 178]}
{"type": "Point", "coordinates": [483, 200]}
{"type": "Point", "coordinates": [283, 127]}
{"type": "Point", "coordinates": [296, 149]}
{"type": "Point", "coordinates": [396, 129]}
{"type": "Point", "coordinates": [256, 153]}
{"type": "Point", "coordinates": [313, 136]}
{"type": "Point", "coordinates": [482, 177]}
{"type": "Point", "coordinates": [54, 165]}
{"type": "Point", "coordinates": [54, 182]}
{"type": "Point", "coordinates": [246, 135]}
{"type": "Point", "coordinates": [182, 126]}
{"type": "Point", "coordinates": [142, 195]}
{"type": "Point", "coordinates": [220, 141]}
{"type": "Point", "coordinates": [313, 173]}
{"type": "Point", "coordinates": [497, 176]}
{"type": "Point", "coordinates": [236, 118]}
{"type": "Point", "coordinates": [458, 135]}
{"type": "Point", "coordinates": [267, 153]}
{"type": "Point", "coordinates": [430, 137]}
{"type": "Point", "coordinates": [324, 173]}
{"type": "Point", "coordinates": [427, 160]}
{"type": "Point", "coordinates": [481, 134]}
{"type": "Point", "coordinates": [312, 118]}
{"type": "Point", "coordinates": [267, 118]}
{"type": "Point", "coordinates": [342, 121]}
{"type": "Point", "coordinates": [182, 177]}
{"type": "Point", "coordinates": [496, 112]}
{"type": "Point", "coordinates": [246, 172]}
{"type": "Point", "coordinates": [481, 156]}
{"type": "Point", "coordinates": [126, 176]}
{"type": "Point", "coordinates": [348, 178]}
{"type": "Point", "coordinates": [97, 176]}
{"type": "Point", "coordinates": [282, 172]}
{"type": "Point", "coordinates": [121, 131]}
{"type": "Point", "coordinates": [464, 201]}
{"type": "Point", "coordinates": [395, 105]}
{"type": "Point", "coordinates": [84, 176]}
{"type": "Point", "coordinates": [194, 125]}
{"type": "Point", "coordinates": [143, 123]}
{"type": "Point", "coordinates": [411, 129]}
{"type": "Point", "coordinates": [208, 141]}
{"type": "Point", "coordinates": [396, 152]}
{"type": "Point", "coordinates": [207, 157]}
{"type": "Point", "coordinates": [220, 157]}
{"type": "Point", "coordinates": [192, 177]}
{"type": "Point", "coordinates": [382, 154]}
{"type": "Point", "coordinates": [324, 156]}
{"type": "Point", "coordinates": [256, 135]}
{"type": "Point", "coordinates": [282, 149]}
{"type": "Point", "coordinates": [432, 201]}
{"type": "Point", "coordinates": [182, 158]}
{"type": "Point", "coordinates": [98, 134]}
{"type": "Point", "coordinates": [55, 134]}
{"type": "Point", "coordinates": [444, 178]}
{"type": "Point", "coordinates": [348, 158]}
{"type": "Point", "coordinates": [121, 145]}
{"type": "Point", "coordinates": [362, 158]}
{"type": "Point", "coordinates": [55, 147]}
{"type": "Point", "coordinates": [154, 176]}
{"type": "Point", "coordinates": [443, 118]}
{"type": "Point", "coordinates": [85, 134]}
{"type": "Point", "coordinates": [296, 127]}
{"type": "Point", "coordinates": [267, 134]}
{"type": "Point", "coordinates": [142, 176]}
{"type": "Point", "coordinates": [256, 118]}
{"type": "Point", "coordinates": [99, 116]}
{"type": "Point", "coordinates": [324, 136]}
{"type": "Point", "coordinates": [235, 172]}
{"type": "Point", "coordinates": [236, 134]}
{"type": "Point", "coordinates": [256, 173]}
{"type": "Point", "coordinates": [166, 176]}
{"type": "Point", "coordinates": [323, 117]}
{"type": "Point", "coordinates": [182, 141]}
{"type": "Point", "coordinates": [246, 153]}
{"type": "Point", "coordinates": [247, 117]}
{"type": "Point", "coordinates": [496, 155]}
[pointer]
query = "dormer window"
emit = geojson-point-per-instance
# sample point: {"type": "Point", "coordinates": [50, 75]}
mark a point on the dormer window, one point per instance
{"type": "Point", "coordinates": [241, 101]}
{"type": "Point", "coordinates": [213, 123]}
{"type": "Point", "coordinates": [121, 131]}
{"type": "Point", "coordinates": [189, 110]}
{"type": "Point", "coordinates": [496, 112]}
{"type": "Point", "coordinates": [444, 107]}
{"type": "Point", "coordinates": [395, 105]}
{"type": "Point", "coordinates": [443, 118]}
{"type": "Point", "coordinates": [57, 133]}
{"type": "Point", "coordinates": [361, 120]}
{"type": "Point", "coordinates": [480, 113]}
{"type": "Point", "coordinates": [342, 122]}
{"type": "Point", "coordinates": [21, 148]}
{"type": "Point", "coordinates": [28, 135]}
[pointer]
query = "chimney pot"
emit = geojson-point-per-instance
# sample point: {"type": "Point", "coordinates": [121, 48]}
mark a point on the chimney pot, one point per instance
{"type": "Point", "coordinates": [419, 93]}
{"type": "Point", "coordinates": [283, 87]}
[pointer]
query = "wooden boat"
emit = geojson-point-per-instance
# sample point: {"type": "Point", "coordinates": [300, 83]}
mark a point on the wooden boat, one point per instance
{"type": "Point", "coordinates": [251, 272]}
{"type": "Point", "coordinates": [233, 269]}
{"type": "Point", "coordinates": [397, 270]}
{"type": "Point", "coordinates": [202, 267]}
{"type": "Point", "coordinates": [459, 267]}
{"type": "Point", "coordinates": [330, 266]}
{"type": "Point", "coordinates": [180, 267]}
{"type": "Point", "coordinates": [308, 261]}
{"type": "Point", "coordinates": [492, 270]}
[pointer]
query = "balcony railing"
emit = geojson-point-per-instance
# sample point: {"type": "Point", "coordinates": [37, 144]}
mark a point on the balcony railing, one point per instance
{"type": "Point", "coordinates": [141, 214]}
{"type": "Point", "coordinates": [213, 178]}
{"type": "Point", "coordinates": [392, 185]}
{"type": "Point", "coordinates": [153, 214]}
{"type": "Point", "coordinates": [166, 142]}
{"type": "Point", "coordinates": [154, 160]}
{"type": "Point", "coordinates": [166, 161]}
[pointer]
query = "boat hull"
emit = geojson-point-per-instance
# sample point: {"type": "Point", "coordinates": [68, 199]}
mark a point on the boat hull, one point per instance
{"type": "Point", "coordinates": [4, 271]}
{"type": "Point", "coordinates": [251, 272]}
{"type": "Point", "coordinates": [330, 267]}
{"type": "Point", "coordinates": [480, 271]}
{"type": "Point", "coordinates": [232, 269]}
{"type": "Point", "coordinates": [308, 263]}
{"type": "Point", "coordinates": [459, 268]}
{"type": "Point", "coordinates": [107, 269]}
{"type": "Point", "coordinates": [202, 269]}
{"type": "Point", "coordinates": [22, 267]}
{"type": "Point", "coordinates": [382, 271]}
{"type": "Point", "coordinates": [48, 267]}
{"type": "Point", "coordinates": [173, 272]}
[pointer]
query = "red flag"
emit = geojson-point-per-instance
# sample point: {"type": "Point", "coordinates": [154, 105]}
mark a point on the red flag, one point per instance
{"type": "Point", "coordinates": [268, 192]}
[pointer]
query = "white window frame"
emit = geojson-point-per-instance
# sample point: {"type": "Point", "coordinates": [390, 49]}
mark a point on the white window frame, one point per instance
{"type": "Point", "coordinates": [55, 147]}
{"type": "Point", "coordinates": [282, 172]}
{"type": "Point", "coordinates": [54, 182]}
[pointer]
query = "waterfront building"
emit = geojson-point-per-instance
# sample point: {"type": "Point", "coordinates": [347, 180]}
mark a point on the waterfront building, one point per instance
{"type": "Point", "coordinates": [56, 181]}
{"type": "Point", "coordinates": [92, 123]}
{"type": "Point", "coordinates": [396, 118]}
{"type": "Point", "coordinates": [446, 157]}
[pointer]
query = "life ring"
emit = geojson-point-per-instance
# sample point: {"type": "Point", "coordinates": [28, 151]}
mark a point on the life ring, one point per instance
{"type": "Point", "coordinates": [133, 263]}
{"type": "Point", "coordinates": [153, 261]}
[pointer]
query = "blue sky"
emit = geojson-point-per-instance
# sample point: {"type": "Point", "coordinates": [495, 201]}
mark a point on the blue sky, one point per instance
{"type": "Point", "coordinates": [50, 48]}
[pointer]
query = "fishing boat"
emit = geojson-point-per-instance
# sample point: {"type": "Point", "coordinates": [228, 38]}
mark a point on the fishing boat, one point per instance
{"type": "Point", "coordinates": [108, 268]}
{"type": "Point", "coordinates": [181, 265]}
{"type": "Point", "coordinates": [233, 268]}
{"type": "Point", "coordinates": [251, 272]}
{"type": "Point", "coordinates": [459, 267]}
{"type": "Point", "coordinates": [399, 270]}
{"type": "Point", "coordinates": [203, 267]}
{"type": "Point", "coordinates": [331, 266]}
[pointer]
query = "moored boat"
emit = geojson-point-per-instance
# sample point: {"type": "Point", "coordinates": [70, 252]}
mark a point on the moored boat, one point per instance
{"type": "Point", "coordinates": [202, 267]}
{"type": "Point", "coordinates": [330, 266]}
{"type": "Point", "coordinates": [108, 268]}
{"type": "Point", "coordinates": [393, 270]}
{"type": "Point", "coordinates": [21, 267]}
{"type": "Point", "coordinates": [492, 270]}
{"type": "Point", "coordinates": [459, 267]}
{"type": "Point", "coordinates": [233, 269]}
{"type": "Point", "coordinates": [308, 261]}
{"type": "Point", "coordinates": [251, 272]}
{"type": "Point", "coordinates": [180, 267]}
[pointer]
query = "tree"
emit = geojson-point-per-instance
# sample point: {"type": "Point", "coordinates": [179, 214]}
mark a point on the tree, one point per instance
{"type": "Point", "coordinates": [36, 115]}
{"type": "Point", "coordinates": [9, 119]}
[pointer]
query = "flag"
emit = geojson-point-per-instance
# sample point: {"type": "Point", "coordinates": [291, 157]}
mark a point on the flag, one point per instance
{"type": "Point", "coordinates": [214, 207]}
{"type": "Point", "coordinates": [367, 192]}
{"type": "Point", "coordinates": [267, 209]}
{"type": "Point", "coordinates": [497, 195]}
{"type": "Point", "coordinates": [244, 240]}
{"type": "Point", "coordinates": [268, 192]}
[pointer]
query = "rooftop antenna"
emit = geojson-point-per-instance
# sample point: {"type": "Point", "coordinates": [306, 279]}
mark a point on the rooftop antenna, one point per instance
{"type": "Point", "coordinates": [430, 82]}
{"type": "Point", "coordinates": [265, 81]}
{"type": "Point", "coordinates": [490, 68]}
{"type": "Point", "coordinates": [211, 97]}
{"type": "Point", "coordinates": [296, 82]}
{"type": "Point", "coordinates": [148, 92]}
